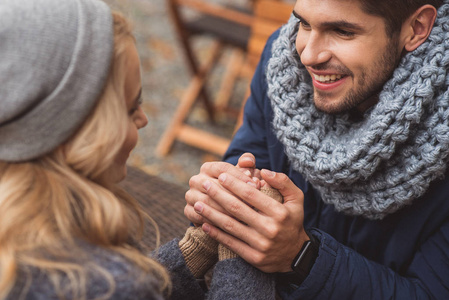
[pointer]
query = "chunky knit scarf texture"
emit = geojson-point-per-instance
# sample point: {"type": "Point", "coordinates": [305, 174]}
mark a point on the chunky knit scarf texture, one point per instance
{"type": "Point", "coordinates": [376, 166]}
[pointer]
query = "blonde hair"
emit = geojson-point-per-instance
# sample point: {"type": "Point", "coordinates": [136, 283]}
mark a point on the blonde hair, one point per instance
{"type": "Point", "coordinates": [52, 204]}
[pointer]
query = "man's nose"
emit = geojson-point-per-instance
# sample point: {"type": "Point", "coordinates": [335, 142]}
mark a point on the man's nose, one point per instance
{"type": "Point", "coordinates": [312, 48]}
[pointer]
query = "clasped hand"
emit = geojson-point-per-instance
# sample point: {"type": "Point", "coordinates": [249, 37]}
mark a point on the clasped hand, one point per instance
{"type": "Point", "coordinates": [227, 201]}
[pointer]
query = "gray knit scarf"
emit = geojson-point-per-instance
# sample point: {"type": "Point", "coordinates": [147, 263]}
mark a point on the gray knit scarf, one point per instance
{"type": "Point", "coordinates": [376, 166]}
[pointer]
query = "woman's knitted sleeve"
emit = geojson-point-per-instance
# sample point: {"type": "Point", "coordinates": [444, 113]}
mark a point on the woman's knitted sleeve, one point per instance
{"type": "Point", "coordinates": [236, 279]}
{"type": "Point", "coordinates": [184, 284]}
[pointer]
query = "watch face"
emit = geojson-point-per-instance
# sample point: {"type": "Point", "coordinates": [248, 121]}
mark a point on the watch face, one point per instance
{"type": "Point", "coordinates": [306, 257]}
{"type": "Point", "coordinates": [301, 266]}
{"type": "Point", "coordinates": [302, 253]}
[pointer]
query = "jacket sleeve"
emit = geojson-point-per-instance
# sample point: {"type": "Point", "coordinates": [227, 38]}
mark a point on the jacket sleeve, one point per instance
{"type": "Point", "coordinates": [184, 284]}
{"type": "Point", "coordinates": [341, 273]}
{"type": "Point", "coordinates": [232, 278]}
{"type": "Point", "coordinates": [236, 279]}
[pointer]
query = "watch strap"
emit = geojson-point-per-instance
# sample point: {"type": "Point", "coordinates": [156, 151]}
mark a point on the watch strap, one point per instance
{"type": "Point", "coordinates": [304, 260]}
{"type": "Point", "coordinates": [301, 265]}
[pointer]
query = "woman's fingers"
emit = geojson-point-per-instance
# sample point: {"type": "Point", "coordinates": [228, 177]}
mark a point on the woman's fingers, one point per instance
{"type": "Point", "coordinates": [247, 160]}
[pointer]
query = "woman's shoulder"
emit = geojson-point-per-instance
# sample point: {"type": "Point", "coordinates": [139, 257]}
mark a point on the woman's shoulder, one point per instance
{"type": "Point", "coordinates": [107, 273]}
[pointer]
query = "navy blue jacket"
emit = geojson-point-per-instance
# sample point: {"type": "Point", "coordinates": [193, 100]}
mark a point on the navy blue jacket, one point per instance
{"type": "Point", "coordinates": [403, 256]}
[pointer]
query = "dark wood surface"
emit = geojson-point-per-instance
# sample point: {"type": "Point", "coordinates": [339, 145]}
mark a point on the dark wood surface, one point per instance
{"type": "Point", "coordinates": [162, 200]}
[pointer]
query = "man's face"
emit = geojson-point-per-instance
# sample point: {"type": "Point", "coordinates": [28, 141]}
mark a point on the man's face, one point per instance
{"type": "Point", "coordinates": [346, 52]}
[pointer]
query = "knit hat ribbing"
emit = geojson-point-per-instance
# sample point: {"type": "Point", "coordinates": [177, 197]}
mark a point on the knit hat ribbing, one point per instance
{"type": "Point", "coordinates": [55, 58]}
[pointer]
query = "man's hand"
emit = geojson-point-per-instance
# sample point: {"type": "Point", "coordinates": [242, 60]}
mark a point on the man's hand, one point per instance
{"type": "Point", "coordinates": [245, 171]}
{"type": "Point", "coordinates": [268, 237]}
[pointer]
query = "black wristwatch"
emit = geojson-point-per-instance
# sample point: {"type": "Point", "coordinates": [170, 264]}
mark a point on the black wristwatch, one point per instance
{"type": "Point", "coordinates": [301, 265]}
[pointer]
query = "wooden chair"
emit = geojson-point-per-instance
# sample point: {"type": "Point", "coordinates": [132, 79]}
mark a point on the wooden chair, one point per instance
{"type": "Point", "coordinates": [253, 29]}
{"type": "Point", "coordinates": [229, 27]}
{"type": "Point", "coordinates": [269, 15]}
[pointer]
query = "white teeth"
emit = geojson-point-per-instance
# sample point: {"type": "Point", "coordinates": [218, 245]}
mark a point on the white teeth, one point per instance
{"type": "Point", "coordinates": [327, 78]}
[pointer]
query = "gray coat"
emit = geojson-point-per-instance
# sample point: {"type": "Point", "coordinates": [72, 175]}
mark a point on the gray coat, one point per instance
{"type": "Point", "coordinates": [232, 279]}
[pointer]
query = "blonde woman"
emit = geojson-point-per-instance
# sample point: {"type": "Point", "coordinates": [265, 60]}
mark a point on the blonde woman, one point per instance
{"type": "Point", "coordinates": [70, 98]}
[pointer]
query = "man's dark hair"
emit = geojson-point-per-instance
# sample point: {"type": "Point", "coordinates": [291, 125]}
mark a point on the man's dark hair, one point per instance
{"type": "Point", "coordinates": [395, 12]}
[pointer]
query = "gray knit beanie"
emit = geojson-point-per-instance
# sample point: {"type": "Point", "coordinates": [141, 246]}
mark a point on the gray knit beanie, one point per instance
{"type": "Point", "coordinates": [55, 57]}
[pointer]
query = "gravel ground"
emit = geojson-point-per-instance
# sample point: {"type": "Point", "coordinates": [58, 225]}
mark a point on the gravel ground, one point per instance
{"type": "Point", "coordinates": [164, 78]}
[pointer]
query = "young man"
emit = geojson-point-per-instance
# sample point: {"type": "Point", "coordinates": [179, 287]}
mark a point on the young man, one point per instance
{"type": "Point", "coordinates": [350, 106]}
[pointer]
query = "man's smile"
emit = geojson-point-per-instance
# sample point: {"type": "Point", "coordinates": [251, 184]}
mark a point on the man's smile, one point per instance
{"type": "Point", "coordinates": [327, 78]}
{"type": "Point", "coordinates": [327, 81]}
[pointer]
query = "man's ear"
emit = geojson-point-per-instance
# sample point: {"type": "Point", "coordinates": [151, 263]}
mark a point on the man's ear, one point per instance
{"type": "Point", "coordinates": [417, 27]}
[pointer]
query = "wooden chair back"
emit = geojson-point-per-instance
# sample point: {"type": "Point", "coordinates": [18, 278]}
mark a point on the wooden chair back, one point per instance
{"type": "Point", "coordinates": [266, 17]}
{"type": "Point", "coordinates": [269, 15]}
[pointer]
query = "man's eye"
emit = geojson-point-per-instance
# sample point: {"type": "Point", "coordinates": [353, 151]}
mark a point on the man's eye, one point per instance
{"type": "Point", "coordinates": [305, 25]}
{"type": "Point", "coordinates": [344, 32]}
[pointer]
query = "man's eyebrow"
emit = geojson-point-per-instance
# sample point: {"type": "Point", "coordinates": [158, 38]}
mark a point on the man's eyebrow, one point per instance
{"type": "Point", "coordinates": [296, 15]}
{"type": "Point", "coordinates": [343, 24]}
{"type": "Point", "coordinates": [337, 24]}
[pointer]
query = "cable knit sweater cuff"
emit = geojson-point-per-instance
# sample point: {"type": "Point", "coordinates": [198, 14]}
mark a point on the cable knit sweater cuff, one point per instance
{"type": "Point", "coordinates": [199, 251]}
{"type": "Point", "coordinates": [225, 253]}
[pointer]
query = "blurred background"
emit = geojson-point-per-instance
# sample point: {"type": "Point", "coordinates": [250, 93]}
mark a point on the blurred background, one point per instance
{"type": "Point", "coordinates": [165, 77]}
